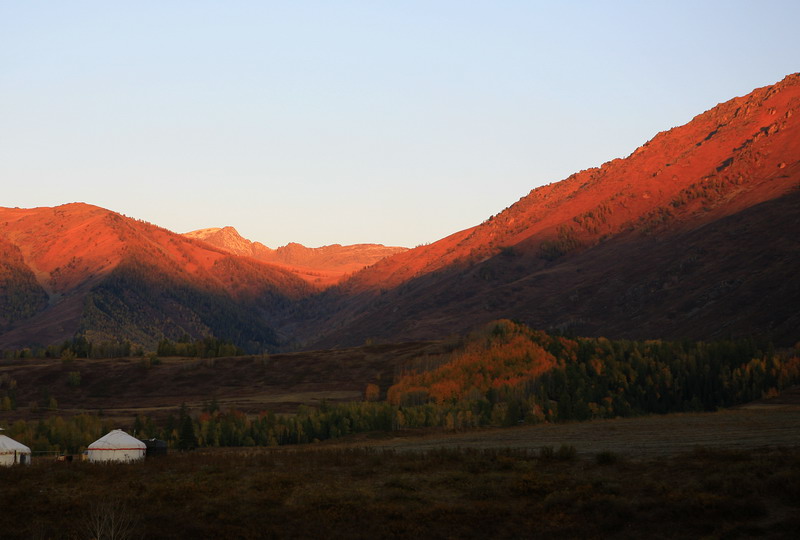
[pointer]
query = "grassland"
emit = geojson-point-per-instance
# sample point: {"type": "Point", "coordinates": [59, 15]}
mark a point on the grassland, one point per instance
{"type": "Point", "coordinates": [380, 493]}
{"type": "Point", "coordinates": [734, 473]}
{"type": "Point", "coordinates": [123, 387]}
{"type": "Point", "coordinates": [730, 474]}
{"type": "Point", "coordinates": [748, 428]}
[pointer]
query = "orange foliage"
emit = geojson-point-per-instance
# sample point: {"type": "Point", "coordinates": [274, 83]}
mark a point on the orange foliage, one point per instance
{"type": "Point", "coordinates": [505, 354]}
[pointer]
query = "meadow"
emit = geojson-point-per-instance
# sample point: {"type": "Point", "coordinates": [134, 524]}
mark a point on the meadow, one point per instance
{"type": "Point", "coordinates": [508, 433]}
{"type": "Point", "coordinates": [728, 474]}
{"type": "Point", "coordinates": [354, 492]}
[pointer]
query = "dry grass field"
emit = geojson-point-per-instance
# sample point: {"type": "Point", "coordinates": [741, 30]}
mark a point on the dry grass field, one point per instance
{"type": "Point", "coordinates": [744, 428]}
{"type": "Point", "coordinates": [730, 474]}
{"type": "Point", "coordinates": [125, 387]}
{"type": "Point", "coordinates": [382, 493]}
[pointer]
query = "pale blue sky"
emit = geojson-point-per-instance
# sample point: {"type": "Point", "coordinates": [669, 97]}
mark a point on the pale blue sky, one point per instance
{"type": "Point", "coordinates": [354, 121]}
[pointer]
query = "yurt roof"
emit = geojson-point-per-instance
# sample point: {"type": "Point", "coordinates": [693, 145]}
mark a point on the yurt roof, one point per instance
{"type": "Point", "coordinates": [7, 445]}
{"type": "Point", "coordinates": [116, 439]}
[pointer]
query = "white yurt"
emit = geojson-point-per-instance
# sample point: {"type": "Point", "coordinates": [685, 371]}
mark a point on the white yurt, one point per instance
{"type": "Point", "coordinates": [12, 452]}
{"type": "Point", "coordinates": [116, 446]}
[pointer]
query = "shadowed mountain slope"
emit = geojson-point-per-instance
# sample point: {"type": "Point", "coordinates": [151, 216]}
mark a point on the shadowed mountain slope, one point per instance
{"type": "Point", "coordinates": [695, 235]}
{"type": "Point", "coordinates": [82, 269]}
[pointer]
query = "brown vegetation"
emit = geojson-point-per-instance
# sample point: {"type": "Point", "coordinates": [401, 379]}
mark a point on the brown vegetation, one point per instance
{"type": "Point", "coordinates": [357, 493]}
{"type": "Point", "coordinates": [123, 387]}
{"type": "Point", "coordinates": [748, 428]}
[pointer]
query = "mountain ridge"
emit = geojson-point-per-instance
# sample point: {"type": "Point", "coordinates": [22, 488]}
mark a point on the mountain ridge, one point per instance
{"type": "Point", "coordinates": [735, 156]}
{"type": "Point", "coordinates": [96, 267]}
{"type": "Point", "coordinates": [508, 227]}
{"type": "Point", "coordinates": [322, 266]}
{"type": "Point", "coordinates": [693, 235]}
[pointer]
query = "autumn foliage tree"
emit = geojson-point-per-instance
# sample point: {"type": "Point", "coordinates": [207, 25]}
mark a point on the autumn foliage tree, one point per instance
{"type": "Point", "coordinates": [501, 375]}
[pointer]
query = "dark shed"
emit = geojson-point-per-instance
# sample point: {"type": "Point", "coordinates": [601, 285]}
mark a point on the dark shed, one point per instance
{"type": "Point", "coordinates": [155, 447]}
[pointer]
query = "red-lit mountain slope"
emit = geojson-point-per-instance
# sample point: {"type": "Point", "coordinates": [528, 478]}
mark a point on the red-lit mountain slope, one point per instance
{"type": "Point", "coordinates": [695, 234]}
{"type": "Point", "coordinates": [322, 267]}
{"type": "Point", "coordinates": [80, 268]}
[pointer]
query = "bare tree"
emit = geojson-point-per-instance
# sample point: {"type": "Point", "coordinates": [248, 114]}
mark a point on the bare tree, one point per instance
{"type": "Point", "coordinates": [111, 519]}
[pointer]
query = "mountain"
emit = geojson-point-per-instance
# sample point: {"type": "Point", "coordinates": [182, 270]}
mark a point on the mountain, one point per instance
{"type": "Point", "coordinates": [229, 239]}
{"type": "Point", "coordinates": [81, 269]}
{"type": "Point", "coordinates": [322, 267]}
{"type": "Point", "coordinates": [694, 235]}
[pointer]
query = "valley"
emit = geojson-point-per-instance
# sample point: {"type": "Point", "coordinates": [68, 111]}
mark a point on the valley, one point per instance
{"type": "Point", "coordinates": [662, 282]}
{"type": "Point", "coordinates": [371, 270]}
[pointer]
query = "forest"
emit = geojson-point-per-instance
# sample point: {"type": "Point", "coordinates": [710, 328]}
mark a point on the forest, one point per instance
{"type": "Point", "coordinates": [505, 374]}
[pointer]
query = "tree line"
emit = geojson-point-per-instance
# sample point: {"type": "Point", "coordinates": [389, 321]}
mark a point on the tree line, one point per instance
{"type": "Point", "coordinates": [502, 375]}
{"type": "Point", "coordinates": [81, 347]}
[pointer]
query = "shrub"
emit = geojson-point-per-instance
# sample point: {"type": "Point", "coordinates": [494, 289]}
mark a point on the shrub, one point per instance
{"type": "Point", "coordinates": [606, 457]}
{"type": "Point", "coordinates": [67, 357]}
{"type": "Point", "coordinates": [566, 452]}
{"type": "Point", "coordinates": [74, 378]}
{"type": "Point", "coordinates": [547, 452]}
{"type": "Point", "coordinates": [372, 392]}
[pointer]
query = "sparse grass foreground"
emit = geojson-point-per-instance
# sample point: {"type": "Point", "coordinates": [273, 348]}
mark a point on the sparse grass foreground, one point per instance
{"type": "Point", "coordinates": [456, 493]}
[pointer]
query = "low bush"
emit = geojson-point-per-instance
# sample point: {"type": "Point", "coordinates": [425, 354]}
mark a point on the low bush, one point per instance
{"type": "Point", "coordinates": [606, 457]}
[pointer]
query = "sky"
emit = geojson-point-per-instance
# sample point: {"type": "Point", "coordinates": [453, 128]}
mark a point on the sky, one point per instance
{"type": "Point", "coordinates": [354, 121]}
